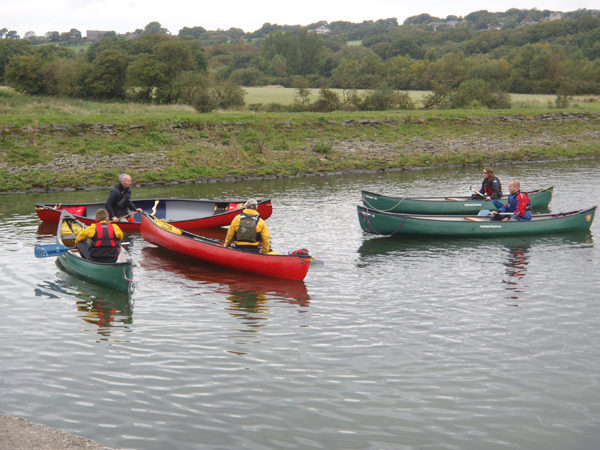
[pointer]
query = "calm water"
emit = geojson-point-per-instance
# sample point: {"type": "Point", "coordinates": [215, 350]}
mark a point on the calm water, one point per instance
{"type": "Point", "coordinates": [389, 344]}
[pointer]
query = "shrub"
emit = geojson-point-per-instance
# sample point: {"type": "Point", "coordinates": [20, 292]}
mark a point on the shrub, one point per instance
{"type": "Point", "coordinates": [474, 93]}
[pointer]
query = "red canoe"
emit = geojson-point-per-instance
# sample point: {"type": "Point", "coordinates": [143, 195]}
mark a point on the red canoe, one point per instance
{"type": "Point", "coordinates": [207, 250]}
{"type": "Point", "coordinates": [181, 213]}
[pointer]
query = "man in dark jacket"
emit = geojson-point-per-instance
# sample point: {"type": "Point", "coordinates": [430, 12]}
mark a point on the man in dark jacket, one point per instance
{"type": "Point", "coordinates": [119, 200]}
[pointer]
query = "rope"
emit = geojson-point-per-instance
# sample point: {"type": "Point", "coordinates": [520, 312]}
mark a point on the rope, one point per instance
{"type": "Point", "coordinates": [383, 210]}
{"type": "Point", "coordinates": [366, 217]}
{"type": "Point", "coordinates": [130, 280]}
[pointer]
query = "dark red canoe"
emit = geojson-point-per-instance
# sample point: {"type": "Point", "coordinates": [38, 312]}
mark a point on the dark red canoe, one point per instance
{"type": "Point", "coordinates": [181, 213]}
{"type": "Point", "coordinates": [211, 251]}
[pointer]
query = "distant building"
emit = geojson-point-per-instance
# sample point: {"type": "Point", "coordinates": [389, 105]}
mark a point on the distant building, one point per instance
{"type": "Point", "coordinates": [322, 29]}
{"type": "Point", "coordinates": [94, 35]}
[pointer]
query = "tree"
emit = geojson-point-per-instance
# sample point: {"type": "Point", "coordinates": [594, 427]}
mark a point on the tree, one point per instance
{"type": "Point", "coordinates": [53, 36]}
{"type": "Point", "coordinates": [302, 92]}
{"type": "Point", "coordinates": [10, 48]}
{"type": "Point", "coordinates": [23, 74]}
{"type": "Point", "coordinates": [65, 77]}
{"type": "Point", "coordinates": [284, 44]}
{"type": "Point", "coordinates": [3, 31]}
{"type": "Point", "coordinates": [145, 75]}
{"type": "Point", "coordinates": [12, 35]}
{"type": "Point", "coordinates": [193, 32]}
{"type": "Point", "coordinates": [155, 28]}
{"type": "Point", "coordinates": [75, 33]}
{"type": "Point", "coordinates": [107, 74]}
{"type": "Point", "coordinates": [310, 46]}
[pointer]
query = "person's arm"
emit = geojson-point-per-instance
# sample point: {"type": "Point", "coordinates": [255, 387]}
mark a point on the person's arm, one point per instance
{"type": "Point", "coordinates": [521, 205]}
{"type": "Point", "coordinates": [496, 194]}
{"type": "Point", "coordinates": [265, 235]}
{"type": "Point", "coordinates": [86, 234]}
{"type": "Point", "coordinates": [235, 224]}
{"type": "Point", "coordinates": [118, 232]}
{"type": "Point", "coordinates": [110, 202]}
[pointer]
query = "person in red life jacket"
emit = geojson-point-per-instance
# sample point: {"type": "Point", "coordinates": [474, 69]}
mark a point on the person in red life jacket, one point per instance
{"type": "Point", "coordinates": [518, 203]}
{"type": "Point", "coordinates": [491, 188]}
{"type": "Point", "coordinates": [119, 201]}
{"type": "Point", "coordinates": [247, 230]}
{"type": "Point", "coordinates": [104, 243]}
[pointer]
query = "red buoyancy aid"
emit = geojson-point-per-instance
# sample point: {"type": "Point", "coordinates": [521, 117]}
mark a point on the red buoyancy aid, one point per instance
{"type": "Point", "coordinates": [104, 242]}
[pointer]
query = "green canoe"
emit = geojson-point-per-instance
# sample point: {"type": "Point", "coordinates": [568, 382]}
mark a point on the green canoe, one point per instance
{"type": "Point", "coordinates": [388, 224]}
{"type": "Point", "coordinates": [540, 199]}
{"type": "Point", "coordinates": [113, 275]}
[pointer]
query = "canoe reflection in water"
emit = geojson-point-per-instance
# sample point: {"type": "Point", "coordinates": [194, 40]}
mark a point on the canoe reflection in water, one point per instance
{"type": "Point", "coordinates": [516, 268]}
{"type": "Point", "coordinates": [248, 294]}
{"type": "Point", "coordinates": [109, 310]}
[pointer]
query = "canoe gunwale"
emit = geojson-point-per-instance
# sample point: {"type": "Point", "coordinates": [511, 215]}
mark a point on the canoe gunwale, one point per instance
{"type": "Point", "coordinates": [446, 198]}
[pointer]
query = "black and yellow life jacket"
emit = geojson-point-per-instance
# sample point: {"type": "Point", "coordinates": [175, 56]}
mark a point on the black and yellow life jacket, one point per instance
{"type": "Point", "coordinates": [247, 230]}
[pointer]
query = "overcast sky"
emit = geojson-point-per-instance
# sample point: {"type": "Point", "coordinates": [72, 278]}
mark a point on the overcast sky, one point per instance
{"type": "Point", "coordinates": [121, 16]}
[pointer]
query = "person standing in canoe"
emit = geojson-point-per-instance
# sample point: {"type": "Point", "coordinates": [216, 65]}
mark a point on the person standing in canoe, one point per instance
{"type": "Point", "coordinates": [518, 204]}
{"type": "Point", "coordinates": [105, 244]}
{"type": "Point", "coordinates": [119, 201]}
{"type": "Point", "coordinates": [247, 230]}
{"type": "Point", "coordinates": [491, 188]}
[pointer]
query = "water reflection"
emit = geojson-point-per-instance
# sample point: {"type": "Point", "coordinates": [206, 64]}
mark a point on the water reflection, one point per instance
{"type": "Point", "coordinates": [371, 248]}
{"type": "Point", "coordinates": [249, 295]}
{"type": "Point", "coordinates": [106, 309]}
{"type": "Point", "coordinates": [516, 268]}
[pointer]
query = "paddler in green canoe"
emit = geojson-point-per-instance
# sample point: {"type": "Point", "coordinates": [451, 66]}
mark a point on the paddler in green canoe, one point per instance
{"type": "Point", "coordinates": [248, 230]}
{"type": "Point", "coordinates": [491, 188]}
{"type": "Point", "coordinates": [105, 240]}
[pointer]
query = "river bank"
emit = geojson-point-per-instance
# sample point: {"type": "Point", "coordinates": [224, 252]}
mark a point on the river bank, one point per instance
{"type": "Point", "coordinates": [17, 433]}
{"type": "Point", "coordinates": [74, 156]}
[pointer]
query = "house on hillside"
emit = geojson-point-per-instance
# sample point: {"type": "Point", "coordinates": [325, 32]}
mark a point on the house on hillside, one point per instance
{"type": "Point", "coordinates": [323, 29]}
{"type": "Point", "coordinates": [94, 35]}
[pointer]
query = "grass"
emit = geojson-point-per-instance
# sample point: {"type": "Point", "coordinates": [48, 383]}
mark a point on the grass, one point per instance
{"type": "Point", "coordinates": [244, 144]}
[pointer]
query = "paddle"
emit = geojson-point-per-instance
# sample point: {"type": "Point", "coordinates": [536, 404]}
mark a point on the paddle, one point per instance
{"type": "Point", "coordinates": [124, 217]}
{"type": "Point", "coordinates": [154, 207]}
{"type": "Point", "coordinates": [48, 250]}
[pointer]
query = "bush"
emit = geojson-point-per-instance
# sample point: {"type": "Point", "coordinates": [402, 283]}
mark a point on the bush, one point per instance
{"type": "Point", "coordinates": [323, 147]}
{"type": "Point", "coordinates": [476, 93]}
{"type": "Point", "coordinates": [250, 76]}
{"type": "Point", "coordinates": [207, 93]}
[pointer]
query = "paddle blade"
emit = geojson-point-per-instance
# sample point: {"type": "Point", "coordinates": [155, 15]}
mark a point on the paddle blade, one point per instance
{"type": "Point", "coordinates": [484, 212]}
{"type": "Point", "coordinates": [49, 250]}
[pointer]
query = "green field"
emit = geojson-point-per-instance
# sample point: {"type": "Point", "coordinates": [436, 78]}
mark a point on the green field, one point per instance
{"type": "Point", "coordinates": [285, 96]}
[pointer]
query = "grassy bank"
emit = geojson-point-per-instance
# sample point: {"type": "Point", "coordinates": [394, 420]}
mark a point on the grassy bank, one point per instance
{"type": "Point", "coordinates": [167, 144]}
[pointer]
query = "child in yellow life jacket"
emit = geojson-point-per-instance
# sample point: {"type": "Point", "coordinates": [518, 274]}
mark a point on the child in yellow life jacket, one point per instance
{"type": "Point", "coordinates": [105, 240]}
{"type": "Point", "coordinates": [247, 230]}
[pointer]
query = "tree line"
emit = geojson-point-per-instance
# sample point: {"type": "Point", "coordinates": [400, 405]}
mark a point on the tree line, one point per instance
{"type": "Point", "coordinates": [445, 57]}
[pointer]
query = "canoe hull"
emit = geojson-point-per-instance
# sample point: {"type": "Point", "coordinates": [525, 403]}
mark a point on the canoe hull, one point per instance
{"type": "Point", "coordinates": [115, 276]}
{"type": "Point", "coordinates": [181, 213]}
{"type": "Point", "coordinates": [540, 199]}
{"type": "Point", "coordinates": [388, 224]}
{"type": "Point", "coordinates": [118, 276]}
{"type": "Point", "coordinates": [209, 251]}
